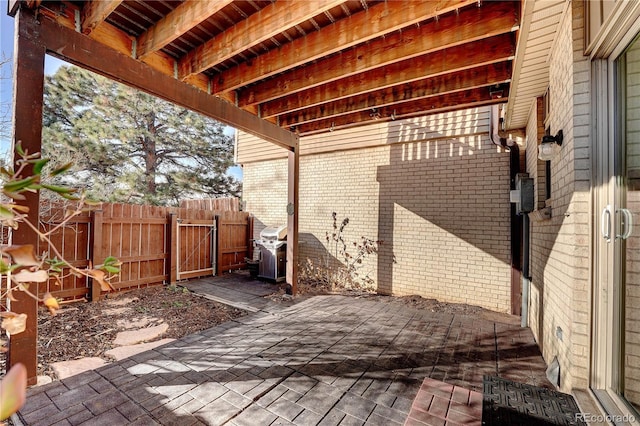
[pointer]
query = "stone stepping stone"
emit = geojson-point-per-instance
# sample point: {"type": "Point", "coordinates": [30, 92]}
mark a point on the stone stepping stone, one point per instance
{"type": "Point", "coordinates": [115, 311]}
{"type": "Point", "coordinates": [137, 322]}
{"type": "Point", "coordinates": [123, 352]}
{"type": "Point", "coordinates": [133, 337]}
{"type": "Point", "coordinates": [64, 369]}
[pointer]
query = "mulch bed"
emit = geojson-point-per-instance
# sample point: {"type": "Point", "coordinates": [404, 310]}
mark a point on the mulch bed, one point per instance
{"type": "Point", "coordinates": [84, 329]}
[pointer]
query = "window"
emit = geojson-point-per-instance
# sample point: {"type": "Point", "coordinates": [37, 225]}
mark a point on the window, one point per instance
{"type": "Point", "coordinates": [547, 173]}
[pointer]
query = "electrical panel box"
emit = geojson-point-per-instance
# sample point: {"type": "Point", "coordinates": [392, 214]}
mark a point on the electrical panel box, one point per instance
{"type": "Point", "coordinates": [522, 196]}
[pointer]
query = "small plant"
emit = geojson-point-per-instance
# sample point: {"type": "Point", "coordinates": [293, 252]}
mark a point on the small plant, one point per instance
{"type": "Point", "coordinates": [177, 289]}
{"type": "Point", "coordinates": [20, 266]}
{"type": "Point", "coordinates": [343, 263]}
{"type": "Point", "coordinates": [142, 309]}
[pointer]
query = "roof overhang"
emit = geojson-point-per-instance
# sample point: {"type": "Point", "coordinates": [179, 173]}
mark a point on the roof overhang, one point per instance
{"type": "Point", "coordinates": [304, 67]}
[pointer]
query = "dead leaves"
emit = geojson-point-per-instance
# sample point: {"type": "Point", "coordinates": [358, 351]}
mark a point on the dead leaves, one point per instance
{"type": "Point", "coordinates": [23, 255]}
{"type": "Point", "coordinates": [13, 323]}
{"type": "Point", "coordinates": [101, 277]}
{"type": "Point", "coordinates": [26, 276]}
{"type": "Point", "coordinates": [51, 303]}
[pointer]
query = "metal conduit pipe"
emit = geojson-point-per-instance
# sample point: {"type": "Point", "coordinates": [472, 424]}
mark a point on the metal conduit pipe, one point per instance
{"type": "Point", "coordinates": [516, 220]}
{"type": "Point", "coordinates": [494, 126]}
{"type": "Point", "coordinates": [526, 274]}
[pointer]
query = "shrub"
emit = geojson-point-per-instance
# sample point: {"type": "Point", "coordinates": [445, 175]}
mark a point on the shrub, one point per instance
{"type": "Point", "coordinates": [343, 266]}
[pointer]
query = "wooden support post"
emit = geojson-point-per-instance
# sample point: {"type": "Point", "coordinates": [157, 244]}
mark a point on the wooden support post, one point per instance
{"type": "Point", "coordinates": [96, 255]}
{"type": "Point", "coordinates": [292, 218]}
{"type": "Point", "coordinates": [250, 236]}
{"type": "Point", "coordinates": [28, 86]}
{"type": "Point", "coordinates": [173, 248]}
{"type": "Point", "coordinates": [218, 246]}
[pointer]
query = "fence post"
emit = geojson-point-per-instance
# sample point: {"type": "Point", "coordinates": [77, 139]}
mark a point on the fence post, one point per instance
{"type": "Point", "coordinates": [219, 237]}
{"type": "Point", "coordinates": [95, 256]}
{"type": "Point", "coordinates": [250, 236]}
{"type": "Point", "coordinates": [173, 248]}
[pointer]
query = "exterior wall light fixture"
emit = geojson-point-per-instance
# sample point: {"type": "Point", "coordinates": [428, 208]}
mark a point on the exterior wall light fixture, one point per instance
{"type": "Point", "coordinates": [550, 146]}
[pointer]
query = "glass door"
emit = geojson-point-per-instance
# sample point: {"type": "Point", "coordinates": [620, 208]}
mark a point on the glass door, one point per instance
{"type": "Point", "coordinates": [615, 376]}
{"type": "Point", "coordinates": [628, 224]}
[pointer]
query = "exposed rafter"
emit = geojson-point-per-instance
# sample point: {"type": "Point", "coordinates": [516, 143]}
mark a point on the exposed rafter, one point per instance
{"type": "Point", "coordinates": [474, 78]}
{"type": "Point", "coordinates": [354, 30]}
{"type": "Point", "coordinates": [437, 104]}
{"type": "Point", "coordinates": [95, 12]}
{"type": "Point", "coordinates": [371, 77]}
{"type": "Point", "coordinates": [180, 21]}
{"type": "Point", "coordinates": [317, 64]}
{"type": "Point", "coordinates": [500, 18]}
{"type": "Point", "coordinates": [258, 27]}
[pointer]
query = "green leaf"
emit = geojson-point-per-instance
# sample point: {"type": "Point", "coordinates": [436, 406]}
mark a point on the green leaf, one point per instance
{"type": "Point", "coordinates": [69, 197]}
{"type": "Point", "coordinates": [111, 269]}
{"type": "Point", "coordinates": [39, 165]}
{"type": "Point", "coordinates": [4, 267]}
{"type": "Point", "coordinates": [20, 185]}
{"type": "Point", "coordinates": [13, 388]}
{"type": "Point", "coordinates": [56, 265]}
{"type": "Point", "coordinates": [59, 170]}
{"type": "Point", "coordinates": [58, 189]}
{"type": "Point", "coordinates": [6, 213]}
{"type": "Point", "coordinates": [19, 149]}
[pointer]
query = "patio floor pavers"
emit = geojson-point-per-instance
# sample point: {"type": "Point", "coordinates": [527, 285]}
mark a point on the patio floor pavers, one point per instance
{"type": "Point", "coordinates": [326, 360]}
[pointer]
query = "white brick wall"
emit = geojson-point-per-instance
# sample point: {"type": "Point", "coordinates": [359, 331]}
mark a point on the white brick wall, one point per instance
{"type": "Point", "coordinates": [560, 246]}
{"type": "Point", "coordinates": [441, 207]}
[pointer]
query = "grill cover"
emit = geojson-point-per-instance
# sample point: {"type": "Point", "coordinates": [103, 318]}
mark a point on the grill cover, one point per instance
{"type": "Point", "coordinates": [274, 233]}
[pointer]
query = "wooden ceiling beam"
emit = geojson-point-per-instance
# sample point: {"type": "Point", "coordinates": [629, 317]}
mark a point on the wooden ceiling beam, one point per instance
{"type": "Point", "coordinates": [268, 22]}
{"type": "Point", "coordinates": [482, 52]}
{"type": "Point", "coordinates": [493, 18]}
{"type": "Point", "coordinates": [343, 34]}
{"type": "Point", "coordinates": [486, 75]}
{"type": "Point", "coordinates": [177, 22]}
{"type": "Point", "coordinates": [83, 51]}
{"type": "Point", "coordinates": [119, 41]}
{"type": "Point", "coordinates": [448, 102]}
{"type": "Point", "coordinates": [95, 12]}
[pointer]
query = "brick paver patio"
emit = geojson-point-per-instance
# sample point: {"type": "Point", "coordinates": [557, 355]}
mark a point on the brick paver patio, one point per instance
{"type": "Point", "coordinates": [328, 360]}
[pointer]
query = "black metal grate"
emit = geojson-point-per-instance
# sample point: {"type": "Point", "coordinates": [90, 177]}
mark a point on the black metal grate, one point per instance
{"type": "Point", "coordinates": [506, 402]}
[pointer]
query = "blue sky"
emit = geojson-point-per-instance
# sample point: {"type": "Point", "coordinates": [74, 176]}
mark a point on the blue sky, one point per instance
{"type": "Point", "coordinates": [51, 65]}
{"type": "Point", "coordinates": [6, 51]}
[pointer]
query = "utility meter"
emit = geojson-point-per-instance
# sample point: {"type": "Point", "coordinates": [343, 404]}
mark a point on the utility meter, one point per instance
{"type": "Point", "coordinates": [522, 196]}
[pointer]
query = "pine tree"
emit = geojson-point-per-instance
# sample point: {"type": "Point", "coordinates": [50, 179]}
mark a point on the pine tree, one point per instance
{"type": "Point", "coordinates": [128, 146]}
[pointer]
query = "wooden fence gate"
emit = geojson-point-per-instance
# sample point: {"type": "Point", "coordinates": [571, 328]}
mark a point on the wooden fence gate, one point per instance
{"type": "Point", "coordinates": [197, 241]}
{"type": "Point", "coordinates": [235, 231]}
{"type": "Point", "coordinates": [155, 245]}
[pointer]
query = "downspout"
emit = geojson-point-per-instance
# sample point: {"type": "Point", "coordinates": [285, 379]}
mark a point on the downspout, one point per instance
{"type": "Point", "coordinates": [526, 274]}
{"type": "Point", "coordinates": [516, 220]}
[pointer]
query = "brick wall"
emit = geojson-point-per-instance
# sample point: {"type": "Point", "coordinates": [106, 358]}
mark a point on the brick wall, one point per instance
{"type": "Point", "coordinates": [538, 252]}
{"type": "Point", "coordinates": [264, 188]}
{"type": "Point", "coordinates": [441, 206]}
{"type": "Point", "coordinates": [560, 306]}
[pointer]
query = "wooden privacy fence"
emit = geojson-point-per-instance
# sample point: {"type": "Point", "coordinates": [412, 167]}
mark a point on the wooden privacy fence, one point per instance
{"type": "Point", "coordinates": [217, 204]}
{"type": "Point", "coordinates": [155, 244]}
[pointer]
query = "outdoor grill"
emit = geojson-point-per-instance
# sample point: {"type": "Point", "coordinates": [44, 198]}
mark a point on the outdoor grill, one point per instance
{"type": "Point", "coordinates": [273, 253]}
